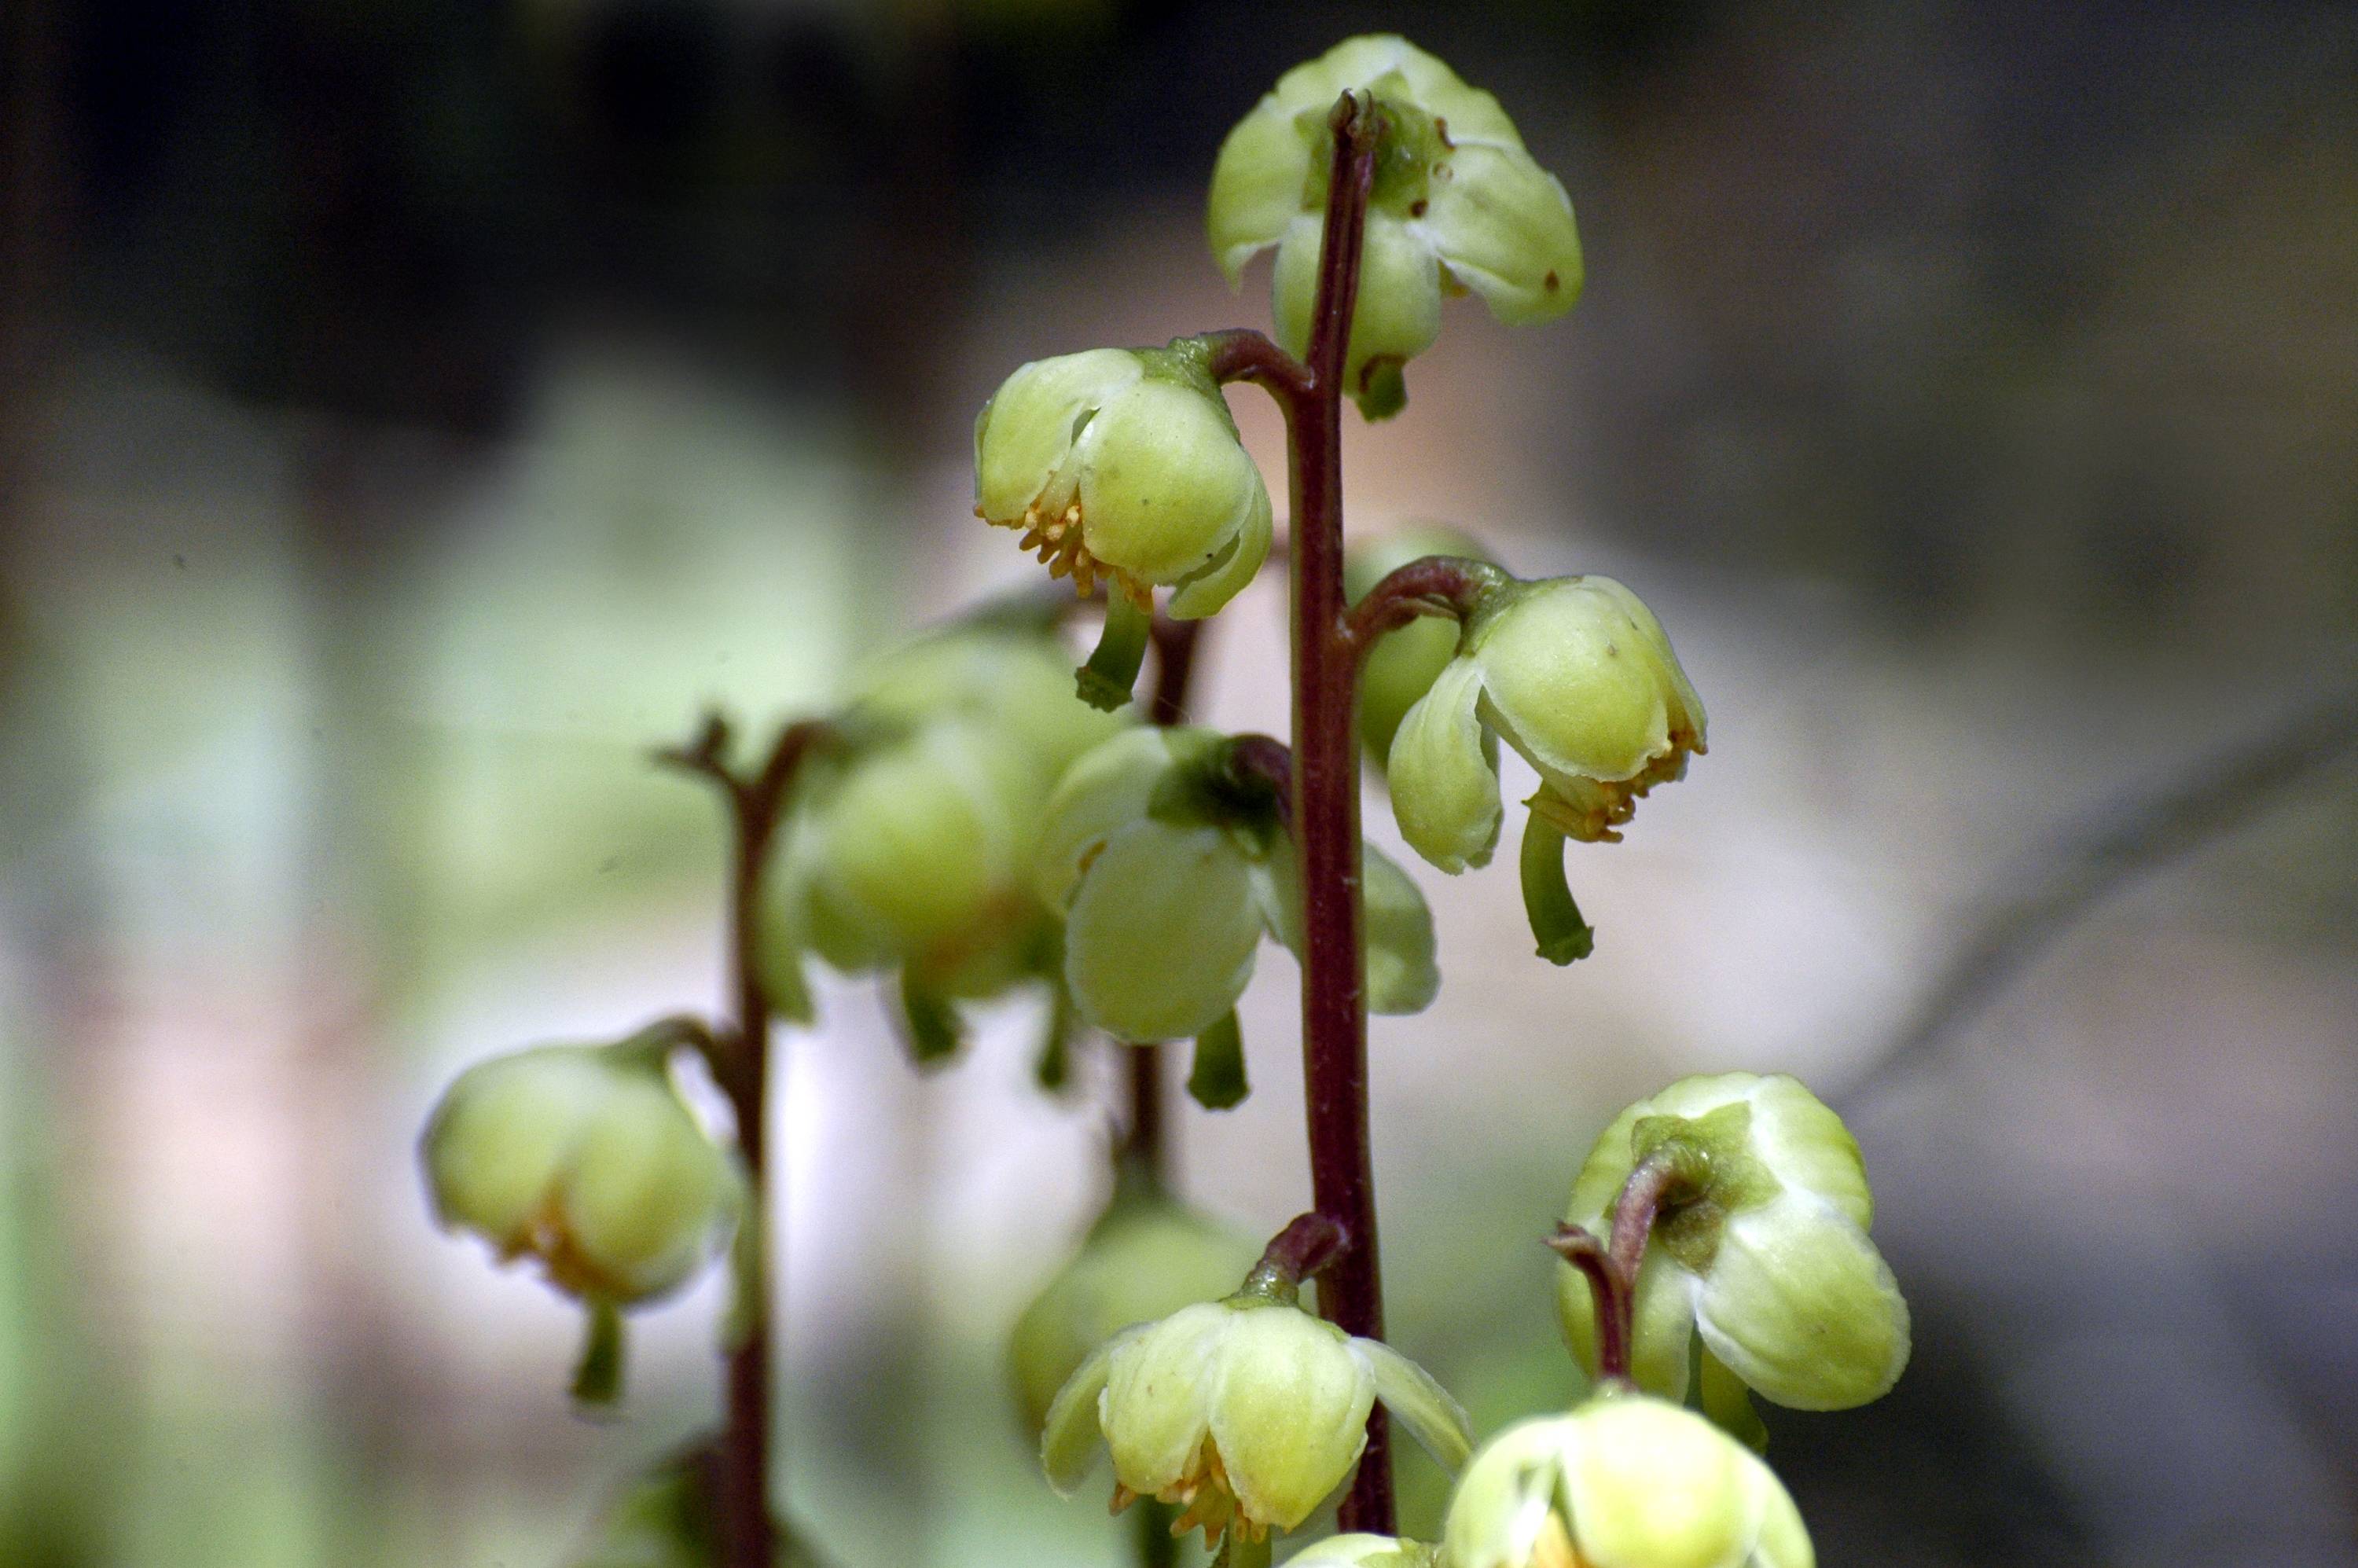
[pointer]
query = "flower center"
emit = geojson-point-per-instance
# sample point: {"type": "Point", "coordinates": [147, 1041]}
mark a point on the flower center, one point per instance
{"type": "Point", "coordinates": [1061, 543]}
{"type": "Point", "coordinates": [1208, 1502]}
{"type": "Point", "coordinates": [1554, 1548]}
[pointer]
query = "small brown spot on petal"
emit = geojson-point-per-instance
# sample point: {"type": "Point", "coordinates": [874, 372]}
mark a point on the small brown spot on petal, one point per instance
{"type": "Point", "coordinates": [1552, 282]}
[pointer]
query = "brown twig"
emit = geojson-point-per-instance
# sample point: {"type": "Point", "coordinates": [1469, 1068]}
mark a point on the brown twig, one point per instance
{"type": "Point", "coordinates": [2061, 886]}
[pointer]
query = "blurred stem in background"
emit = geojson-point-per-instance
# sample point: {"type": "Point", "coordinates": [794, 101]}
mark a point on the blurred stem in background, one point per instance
{"type": "Point", "coordinates": [756, 802]}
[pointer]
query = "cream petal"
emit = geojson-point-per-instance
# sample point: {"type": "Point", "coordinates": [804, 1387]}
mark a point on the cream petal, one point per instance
{"type": "Point", "coordinates": [1806, 1147]}
{"type": "Point", "coordinates": [1231, 572]}
{"type": "Point", "coordinates": [1503, 227]}
{"type": "Point", "coordinates": [1800, 1305]}
{"type": "Point", "coordinates": [1165, 487]}
{"type": "Point", "coordinates": [1068, 1439]}
{"type": "Point", "coordinates": [1025, 432]}
{"type": "Point", "coordinates": [1653, 1486]}
{"type": "Point", "coordinates": [1420, 1404]}
{"type": "Point", "coordinates": [1258, 184]}
{"type": "Point", "coordinates": [1403, 976]}
{"type": "Point", "coordinates": [1160, 939]}
{"type": "Point", "coordinates": [1445, 790]}
{"type": "Point", "coordinates": [1574, 685]}
{"type": "Point", "coordinates": [1291, 1416]}
{"type": "Point", "coordinates": [1106, 790]}
{"type": "Point", "coordinates": [1158, 1397]}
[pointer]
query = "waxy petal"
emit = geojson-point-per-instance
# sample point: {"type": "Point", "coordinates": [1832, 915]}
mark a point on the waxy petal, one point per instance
{"type": "Point", "coordinates": [1160, 939]}
{"type": "Point", "coordinates": [1024, 433]}
{"type": "Point", "coordinates": [1445, 789]}
{"type": "Point", "coordinates": [1165, 485]}
{"type": "Point", "coordinates": [1160, 1388]}
{"type": "Point", "coordinates": [1422, 1407]}
{"type": "Point", "coordinates": [1503, 227]}
{"type": "Point", "coordinates": [1068, 1438]}
{"type": "Point", "coordinates": [1230, 573]}
{"type": "Point", "coordinates": [1802, 1306]}
{"type": "Point", "coordinates": [1291, 1414]}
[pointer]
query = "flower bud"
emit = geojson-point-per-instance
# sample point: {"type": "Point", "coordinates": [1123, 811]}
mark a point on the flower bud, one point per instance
{"type": "Point", "coordinates": [1125, 463]}
{"type": "Point", "coordinates": [1401, 665]}
{"type": "Point", "coordinates": [1576, 675]}
{"type": "Point", "coordinates": [1169, 873]}
{"type": "Point", "coordinates": [586, 1158]}
{"type": "Point", "coordinates": [1246, 1412]}
{"type": "Point", "coordinates": [917, 844]}
{"type": "Point", "coordinates": [912, 837]}
{"type": "Point", "coordinates": [1759, 1247]}
{"type": "Point", "coordinates": [1457, 204]}
{"type": "Point", "coordinates": [1624, 1481]}
{"type": "Point", "coordinates": [1147, 1258]}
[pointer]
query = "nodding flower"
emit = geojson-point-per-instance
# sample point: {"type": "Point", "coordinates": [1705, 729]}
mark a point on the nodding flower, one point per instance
{"type": "Point", "coordinates": [1458, 204]}
{"type": "Point", "coordinates": [1125, 464]}
{"type": "Point", "coordinates": [1246, 1413]}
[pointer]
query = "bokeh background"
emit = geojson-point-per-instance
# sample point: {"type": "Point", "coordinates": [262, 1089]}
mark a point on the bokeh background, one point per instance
{"type": "Point", "coordinates": [414, 410]}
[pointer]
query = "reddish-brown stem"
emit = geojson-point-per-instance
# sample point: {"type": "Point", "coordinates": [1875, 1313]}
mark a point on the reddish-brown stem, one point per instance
{"type": "Point", "coordinates": [756, 803]}
{"type": "Point", "coordinates": [1611, 1268]}
{"type": "Point", "coordinates": [1239, 353]}
{"type": "Point", "coordinates": [1326, 805]}
{"type": "Point", "coordinates": [1659, 1177]}
{"type": "Point", "coordinates": [1609, 1288]}
{"type": "Point", "coordinates": [1309, 1243]}
{"type": "Point", "coordinates": [1324, 799]}
{"type": "Point", "coordinates": [1431, 585]}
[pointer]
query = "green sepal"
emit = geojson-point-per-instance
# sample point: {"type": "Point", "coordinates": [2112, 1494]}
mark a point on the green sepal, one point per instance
{"type": "Point", "coordinates": [1217, 1078]}
{"type": "Point", "coordinates": [1725, 1399]}
{"type": "Point", "coordinates": [1382, 391]}
{"type": "Point", "coordinates": [1563, 935]}
{"type": "Point", "coordinates": [1052, 1068]}
{"type": "Point", "coordinates": [598, 1376]}
{"type": "Point", "coordinates": [1106, 681]}
{"type": "Point", "coordinates": [929, 1025]}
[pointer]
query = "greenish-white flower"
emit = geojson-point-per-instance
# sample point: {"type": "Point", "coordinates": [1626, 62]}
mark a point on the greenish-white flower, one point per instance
{"type": "Point", "coordinates": [1624, 1481]}
{"type": "Point", "coordinates": [1125, 463]}
{"type": "Point", "coordinates": [1247, 1413]}
{"type": "Point", "coordinates": [910, 841]}
{"type": "Point", "coordinates": [1148, 1256]}
{"type": "Point", "coordinates": [1760, 1249]}
{"type": "Point", "coordinates": [587, 1159]}
{"type": "Point", "coordinates": [1577, 675]}
{"type": "Point", "coordinates": [1458, 204]}
{"type": "Point", "coordinates": [1169, 880]}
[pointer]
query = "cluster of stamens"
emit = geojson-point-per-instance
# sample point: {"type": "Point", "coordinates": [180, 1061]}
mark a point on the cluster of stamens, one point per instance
{"type": "Point", "coordinates": [1554, 1548]}
{"type": "Point", "coordinates": [1059, 542]}
{"type": "Point", "coordinates": [1590, 811]}
{"type": "Point", "coordinates": [1208, 1501]}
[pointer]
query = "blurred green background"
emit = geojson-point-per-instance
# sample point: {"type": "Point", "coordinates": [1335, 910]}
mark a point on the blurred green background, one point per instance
{"type": "Point", "coordinates": [411, 413]}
